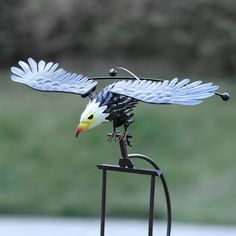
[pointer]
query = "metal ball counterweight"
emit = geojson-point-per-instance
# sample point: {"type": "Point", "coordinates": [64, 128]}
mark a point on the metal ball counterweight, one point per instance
{"type": "Point", "coordinates": [112, 72]}
{"type": "Point", "coordinates": [224, 96]}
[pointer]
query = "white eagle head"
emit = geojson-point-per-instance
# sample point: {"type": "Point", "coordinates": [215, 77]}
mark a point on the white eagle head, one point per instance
{"type": "Point", "coordinates": [92, 116]}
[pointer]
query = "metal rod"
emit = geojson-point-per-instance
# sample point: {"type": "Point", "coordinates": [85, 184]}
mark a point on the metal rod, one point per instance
{"type": "Point", "coordinates": [168, 204]}
{"type": "Point", "coordinates": [123, 149]}
{"type": "Point", "coordinates": [151, 206]}
{"type": "Point", "coordinates": [141, 171]}
{"type": "Point", "coordinates": [103, 207]}
{"type": "Point", "coordinates": [124, 160]}
{"type": "Point", "coordinates": [123, 78]}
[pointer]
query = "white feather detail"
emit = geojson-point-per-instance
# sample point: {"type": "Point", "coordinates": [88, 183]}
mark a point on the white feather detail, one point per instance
{"type": "Point", "coordinates": [47, 77]}
{"type": "Point", "coordinates": [168, 92]}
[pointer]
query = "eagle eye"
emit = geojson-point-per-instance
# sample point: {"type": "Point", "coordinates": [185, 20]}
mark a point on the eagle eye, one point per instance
{"type": "Point", "coordinates": [90, 117]}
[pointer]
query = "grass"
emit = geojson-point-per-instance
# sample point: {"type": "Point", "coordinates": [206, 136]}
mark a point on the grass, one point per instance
{"type": "Point", "coordinates": [45, 170]}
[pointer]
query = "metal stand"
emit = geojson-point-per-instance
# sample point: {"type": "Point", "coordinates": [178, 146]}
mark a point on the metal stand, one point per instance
{"type": "Point", "coordinates": [125, 165]}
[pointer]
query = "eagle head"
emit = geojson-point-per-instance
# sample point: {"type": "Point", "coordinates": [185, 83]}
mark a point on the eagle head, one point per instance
{"type": "Point", "coordinates": [93, 115]}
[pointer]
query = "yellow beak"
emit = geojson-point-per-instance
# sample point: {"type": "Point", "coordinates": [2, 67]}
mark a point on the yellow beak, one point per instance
{"type": "Point", "coordinates": [81, 127]}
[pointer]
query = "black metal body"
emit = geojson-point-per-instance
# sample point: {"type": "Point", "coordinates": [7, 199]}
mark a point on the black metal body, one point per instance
{"type": "Point", "coordinates": [126, 165]}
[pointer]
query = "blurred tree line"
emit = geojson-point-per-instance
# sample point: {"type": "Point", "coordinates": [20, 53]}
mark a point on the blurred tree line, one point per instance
{"type": "Point", "coordinates": [198, 33]}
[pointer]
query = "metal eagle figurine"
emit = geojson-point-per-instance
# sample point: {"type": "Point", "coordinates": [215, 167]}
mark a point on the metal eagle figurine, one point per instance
{"type": "Point", "coordinates": [116, 101]}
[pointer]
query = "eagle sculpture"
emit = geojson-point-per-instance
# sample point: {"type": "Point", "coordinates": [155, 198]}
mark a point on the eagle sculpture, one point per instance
{"type": "Point", "coordinates": [116, 101]}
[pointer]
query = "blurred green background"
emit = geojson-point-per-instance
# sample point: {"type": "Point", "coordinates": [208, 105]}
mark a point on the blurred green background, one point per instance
{"type": "Point", "coordinates": [44, 170]}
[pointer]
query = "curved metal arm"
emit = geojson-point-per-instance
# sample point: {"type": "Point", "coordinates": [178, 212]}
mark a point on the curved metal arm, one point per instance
{"type": "Point", "coordinates": [164, 184]}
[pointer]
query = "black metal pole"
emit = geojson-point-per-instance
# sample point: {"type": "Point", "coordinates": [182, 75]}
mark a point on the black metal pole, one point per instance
{"type": "Point", "coordinates": [124, 160]}
{"type": "Point", "coordinates": [168, 204]}
{"type": "Point", "coordinates": [103, 207]}
{"type": "Point", "coordinates": [123, 149]}
{"type": "Point", "coordinates": [151, 206]}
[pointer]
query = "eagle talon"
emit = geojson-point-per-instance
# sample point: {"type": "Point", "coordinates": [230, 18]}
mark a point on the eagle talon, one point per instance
{"type": "Point", "coordinates": [126, 137]}
{"type": "Point", "coordinates": [112, 136]}
{"type": "Point", "coordinates": [123, 137]}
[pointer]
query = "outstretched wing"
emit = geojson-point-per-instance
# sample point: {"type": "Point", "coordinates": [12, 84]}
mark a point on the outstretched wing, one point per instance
{"type": "Point", "coordinates": [165, 92]}
{"type": "Point", "coordinates": [47, 77]}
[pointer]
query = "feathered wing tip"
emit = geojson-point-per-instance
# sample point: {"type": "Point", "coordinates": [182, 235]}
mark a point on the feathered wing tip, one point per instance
{"type": "Point", "coordinates": [193, 93]}
{"type": "Point", "coordinates": [166, 92]}
{"type": "Point", "coordinates": [47, 77]}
